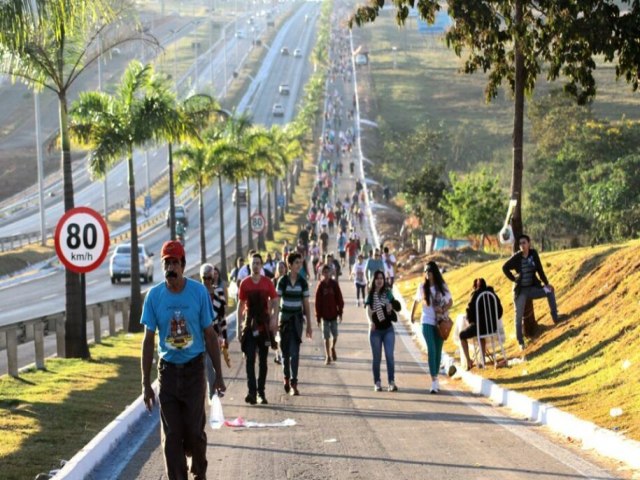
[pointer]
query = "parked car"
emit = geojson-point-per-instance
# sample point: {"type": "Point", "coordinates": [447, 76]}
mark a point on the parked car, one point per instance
{"type": "Point", "coordinates": [283, 89]}
{"type": "Point", "coordinates": [362, 59]}
{"type": "Point", "coordinates": [284, 51]}
{"type": "Point", "coordinates": [239, 195]}
{"type": "Point", "coordinates": [120, 263]}
{"type": "Point", "coordinates": [297, 52]}
{"type": "Point", "coordinates": [277, 110]}
{"type": "Point", "coordinates": [181, 215]}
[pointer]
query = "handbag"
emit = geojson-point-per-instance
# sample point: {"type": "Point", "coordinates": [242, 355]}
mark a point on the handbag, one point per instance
{"type": "Point", "coordinates": [444, 326]}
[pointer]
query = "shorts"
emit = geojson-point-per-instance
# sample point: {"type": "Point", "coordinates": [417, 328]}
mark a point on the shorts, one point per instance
{"type": "Point", "coordinates": [343, 254]}
{"type": "Point", "coordinates": [469, 332]}
{"type": "Point", "coordinates": [329, 328]}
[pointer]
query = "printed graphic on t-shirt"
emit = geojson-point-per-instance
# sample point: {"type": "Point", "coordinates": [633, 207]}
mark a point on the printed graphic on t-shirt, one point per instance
{"type": "Point", "coordinates": [179, 336]}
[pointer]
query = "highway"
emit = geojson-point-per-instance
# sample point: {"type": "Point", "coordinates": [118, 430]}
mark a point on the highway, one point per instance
{"type": "Point", "coordinates": [44, 292]}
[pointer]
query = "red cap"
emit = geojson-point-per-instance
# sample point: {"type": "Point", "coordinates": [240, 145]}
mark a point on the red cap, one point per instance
{"type": "Point", "coordinates": [172, 249]}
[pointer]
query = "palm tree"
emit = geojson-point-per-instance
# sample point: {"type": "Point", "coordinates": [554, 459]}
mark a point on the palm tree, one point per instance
{"type": "Point", "coordinates": [49, 45]}
{"type": "Point", "coordinates": [194, 170]}
{"type": "Point", "coordinates": [195, 112]}
{"type": "Point", "coordinates": [141, 110]}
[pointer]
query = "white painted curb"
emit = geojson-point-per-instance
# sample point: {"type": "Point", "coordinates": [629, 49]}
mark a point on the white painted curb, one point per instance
{"type": "Point", "coordinates": [99, 447]}
{"type": "Point", "coordinates": [605, 442]}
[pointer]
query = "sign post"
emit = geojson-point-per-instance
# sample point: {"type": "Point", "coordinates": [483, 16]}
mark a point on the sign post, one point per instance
{"type": "Point", "coordinates": [258, 223]}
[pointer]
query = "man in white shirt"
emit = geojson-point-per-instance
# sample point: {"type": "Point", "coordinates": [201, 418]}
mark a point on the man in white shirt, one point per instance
{"type": "Point", "coordinates": [389, 266]}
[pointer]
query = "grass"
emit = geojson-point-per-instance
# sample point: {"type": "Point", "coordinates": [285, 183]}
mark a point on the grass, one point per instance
{"type": "Point", "coordinates": [49, 415]}
{"type": "Point", "coordinates": [588, 364]}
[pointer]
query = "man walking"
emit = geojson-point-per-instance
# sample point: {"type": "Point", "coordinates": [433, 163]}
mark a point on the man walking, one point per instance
{"type": "Point", "coordinates": [329, 306]}
{"type": "Point", "coordinates": [181, 312]}
{"type": "Point", "coordinates": [294, 293]}
{"type": "Point", "coordinates": [258, 298]}
{"type": "Point", "coordinates": [528, 283]}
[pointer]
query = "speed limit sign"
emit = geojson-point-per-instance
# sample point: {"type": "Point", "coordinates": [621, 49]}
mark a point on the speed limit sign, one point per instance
{"type": "Point", "coordinates": [258, 223]}
{"type": "Point", "coordinates": [81, 239]}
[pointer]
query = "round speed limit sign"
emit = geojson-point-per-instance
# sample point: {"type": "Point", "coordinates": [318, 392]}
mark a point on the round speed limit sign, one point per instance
{"type": "Point", "coordinates": [81, 239]}
{"type": "Point", "coordinates": [258, 223]}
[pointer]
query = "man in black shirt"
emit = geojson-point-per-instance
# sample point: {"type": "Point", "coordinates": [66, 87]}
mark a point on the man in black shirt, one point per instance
{"type": "Point", "coordinates": [528, 283]}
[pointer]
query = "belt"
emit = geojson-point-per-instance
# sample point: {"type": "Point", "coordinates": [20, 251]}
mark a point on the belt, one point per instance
{"type": "Point", "coordinates": [191, 363]}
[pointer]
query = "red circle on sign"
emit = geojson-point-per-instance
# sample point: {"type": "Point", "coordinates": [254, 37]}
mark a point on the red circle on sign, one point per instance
{"type": "Point", "coordinates": [88, 259]}
{"type": "Point", "coordinates": [258, 223]}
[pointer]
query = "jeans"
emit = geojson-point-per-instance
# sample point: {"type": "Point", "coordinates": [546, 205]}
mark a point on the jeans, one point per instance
{"type": "Point", "coordinates": [290, 347]}
{"type": "Point", "coordinates": [182, 415]}
{"type": "Point", "coordinates": [360, 289]}
{"type": "Point", "coordinates": [378, 339]}
{"type": "Point", "coordinates": [434, 348]}
{"type": "Point", "coordinates": [251, 346]}
{"type": "Point", "coordinates": [519, 301]}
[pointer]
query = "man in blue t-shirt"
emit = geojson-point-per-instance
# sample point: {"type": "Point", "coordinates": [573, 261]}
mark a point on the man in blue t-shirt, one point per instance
{"type": "Point", "coordinates": [180, 310]}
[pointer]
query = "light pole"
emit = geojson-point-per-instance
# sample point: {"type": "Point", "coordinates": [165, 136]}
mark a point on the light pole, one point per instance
{"type": "Point", "coordinates": [43, 233]}
{"type": "Point", "coordinates": [105, 193]}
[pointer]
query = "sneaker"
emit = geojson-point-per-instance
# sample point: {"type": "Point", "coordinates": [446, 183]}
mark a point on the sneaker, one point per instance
{"type": "Point", "coordinates": [277, 360]}
{"type": "Point", "coordinates": [294, 389]}
{"type": "Point", "coordinates": [262, 400]}
{"type": "Point", "coordinates": [287, 387]}
{"type": "Point", "coordinates": [333, 354]}
{"type": "Point", "coordinates": [377, 387]}
{"type": "Point", "coordinates": [250, 398]}
{"type": "Point", "coordinates": [437, 385]}
{"type": "Point", "coordinates": [392, 387]}
{"type": "Point", "coordinates": [434, 388]}
{"type": "Point", "coordinates": [522, 347]}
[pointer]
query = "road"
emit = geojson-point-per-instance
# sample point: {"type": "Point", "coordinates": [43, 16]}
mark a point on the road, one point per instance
{"type": "Point", "coordinates": [23, 301]}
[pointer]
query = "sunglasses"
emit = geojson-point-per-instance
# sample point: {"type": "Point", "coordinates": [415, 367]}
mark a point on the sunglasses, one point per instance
{"type": "Point", "coordinates": [207, 278]}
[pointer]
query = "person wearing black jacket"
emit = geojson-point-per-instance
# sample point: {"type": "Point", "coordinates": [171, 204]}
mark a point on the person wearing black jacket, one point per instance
{"type": "Point", "coordinates": [528, 281]}
{"type": "Point", "coordinates": [481, 323]}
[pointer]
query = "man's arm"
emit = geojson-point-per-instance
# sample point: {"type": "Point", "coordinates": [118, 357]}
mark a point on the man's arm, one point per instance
{"type": "Point", "coordinates": [213, 350]}
{"type": "Point", "coordinates": [275, 308]}
{"type": "Point", "coordinates": [507, 267]}
{"type": "Point", "coordinates": [148, 345]}
{"type": "Point", "coordinates": [543, 277]}
{"type": "Point", "coordinates": [307, 313]}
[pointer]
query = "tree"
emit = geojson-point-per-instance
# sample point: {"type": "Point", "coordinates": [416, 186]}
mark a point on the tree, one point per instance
{"type": "Point", "coordinates": [474, 205]}
{"type": "Point", "coordinates": [511, 40]}
{"type": "Point", "coordinates": [49, 45]}
{"type": "Point", "coordinates": [141, 110]}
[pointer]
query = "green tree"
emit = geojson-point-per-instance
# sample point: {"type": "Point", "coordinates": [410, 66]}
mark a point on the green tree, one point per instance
{"type": "Point", "coordinates": [511, 40]}
{"type": "Point", "coordinates": [48, 45]}
{"type": "Point", "coordinates": [141, 110]}
{"type": "Point", "coordinates": [474, 205]}
{"type": "Point", "coordinates": [424, 193]}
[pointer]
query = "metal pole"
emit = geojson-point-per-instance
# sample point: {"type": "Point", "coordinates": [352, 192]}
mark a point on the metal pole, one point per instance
{"type": "Point", "coordinates": [105, 195]}
{"type": "Point", "coordinates": [211, 69]}
{"type": "Point", "coordinates": [224, 49]}
{"type": "Point", "coordinates": [195, 83]}
{"type": "Point", "coordinates": [146, 161]}
{"type": "Point", "coordinates": [43, 232]}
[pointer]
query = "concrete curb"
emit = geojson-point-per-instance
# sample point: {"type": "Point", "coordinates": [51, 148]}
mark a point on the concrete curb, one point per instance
{"type": "Point", "coordinates": [592, 437]}
{"type": "Point", "coordinates": [83, 462]}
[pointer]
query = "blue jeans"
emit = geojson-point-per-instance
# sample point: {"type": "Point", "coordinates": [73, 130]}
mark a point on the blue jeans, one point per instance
{"type": "Point", "coordinates": [290, 348]}
{"type": "Point", "coordinates": [520, 300]}
{"type": "Point", "coordinates": [252, 346]}
{"type": "Point", "coordinates": [378, 339]}
{"type": "Point", "coordinates": [434, 348]}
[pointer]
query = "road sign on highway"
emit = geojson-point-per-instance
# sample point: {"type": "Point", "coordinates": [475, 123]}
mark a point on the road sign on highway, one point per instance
{"type": "Point", "coordinates": [81, 239]}
{"type": "Point", "coordinates": [258, 223]}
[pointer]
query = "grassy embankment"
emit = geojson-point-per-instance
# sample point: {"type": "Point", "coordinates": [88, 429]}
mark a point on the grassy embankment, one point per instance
{"type": "Point", "coordinates": [588, 364]}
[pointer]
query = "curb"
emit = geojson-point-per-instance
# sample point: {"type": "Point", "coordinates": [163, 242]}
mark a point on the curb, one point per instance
{"type": "Point", "coordinates": [592, 437]}
{"type": "Point", "coordinates": [83, 462]}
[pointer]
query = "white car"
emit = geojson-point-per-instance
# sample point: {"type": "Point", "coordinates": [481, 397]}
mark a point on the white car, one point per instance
{"type": "Point", "coordinates": [120, 263]}
{"type": "Point", "coordinates": [239, 195]}
{"type": "Point", "coordinates": [283, 89]}
{"type": "Point", "coordinates": [277, 110]}
{"type": "Point", "coordinates": [297, 53]}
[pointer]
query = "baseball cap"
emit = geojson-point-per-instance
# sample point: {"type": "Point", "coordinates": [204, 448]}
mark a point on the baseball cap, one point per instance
{"type": "Point", "coordinates": [172, 249]}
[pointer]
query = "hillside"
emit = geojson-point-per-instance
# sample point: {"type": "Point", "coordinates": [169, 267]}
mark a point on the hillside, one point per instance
{"type": "Point", "coordinates": [588, 364]}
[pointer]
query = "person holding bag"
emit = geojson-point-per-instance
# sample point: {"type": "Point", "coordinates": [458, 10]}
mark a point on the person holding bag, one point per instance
{"type": "Point", "coordinates": [435, 298]}
{"type": "Point", "coordinates": [381, 314]}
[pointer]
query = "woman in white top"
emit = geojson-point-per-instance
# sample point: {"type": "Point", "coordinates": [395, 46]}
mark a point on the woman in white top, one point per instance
{"type": "Point", "coordinates": [435, 298]}
{"type": "Point", "coordinates": [359, 277]}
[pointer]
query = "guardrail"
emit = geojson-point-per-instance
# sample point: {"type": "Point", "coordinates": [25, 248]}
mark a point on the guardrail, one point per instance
{"type": "Point", "coordinates": [37, 328]}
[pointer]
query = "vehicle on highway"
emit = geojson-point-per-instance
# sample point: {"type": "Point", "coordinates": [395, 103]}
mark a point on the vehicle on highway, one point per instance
{"type": "Point", "coordinates": [297, 52]}
{"type": "Point", "coordinates": [277, 110]}
{"type": "Point", "coordinates": [181, 215]}
{"type": "Point", "coordinates": [240, 34]}
{"type": "Point", "coordinates": [283, 89]}
{"type": "Point", "coordinates": [284, 51]}
{"type": "Point", "coordinates": [362, 59]}
{"type": "Point", "coordinates": [239, 195]}
{"type": "Point", "coordinates": [120, 263]}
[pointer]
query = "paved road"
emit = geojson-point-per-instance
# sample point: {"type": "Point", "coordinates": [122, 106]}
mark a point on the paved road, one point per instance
{"type": "Point", "coordinates": [345, 430]}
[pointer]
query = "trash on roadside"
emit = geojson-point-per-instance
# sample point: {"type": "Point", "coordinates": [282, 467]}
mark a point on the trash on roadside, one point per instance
{"type": "Point", "coordinates": [616, 412]}
{"type": "Point", "coordinates": [626, 364]}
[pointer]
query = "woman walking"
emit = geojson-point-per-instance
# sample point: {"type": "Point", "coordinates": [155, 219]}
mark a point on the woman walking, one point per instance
{"type": "Point", "coordinates": [435, 298]}
{"type": "Point", "coordinates": [381, 332]}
